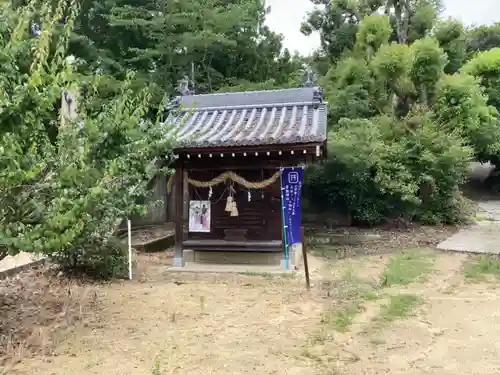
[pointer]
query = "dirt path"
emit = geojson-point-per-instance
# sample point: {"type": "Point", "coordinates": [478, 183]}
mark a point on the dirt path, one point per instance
{"type": "Point", "coordinates": [453, 332]}
{"type": "Point", "coordinates": [242, 324]}
{"type": "Point", "coordinates": [209, 325]}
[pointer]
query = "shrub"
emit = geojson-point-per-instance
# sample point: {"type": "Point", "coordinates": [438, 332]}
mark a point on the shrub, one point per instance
{"type": "Point", "coordinates": [380, 169]}
{"type": "Point", "coordinates": [100, 260]}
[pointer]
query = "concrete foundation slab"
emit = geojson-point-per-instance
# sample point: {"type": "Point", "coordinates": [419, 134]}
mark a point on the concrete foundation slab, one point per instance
{"type": "Point", "coordinates": [178, 262]}
{"type": "Point", "coordinates": [237, 258]}
{"type": "Point", "coordinates": [483, 238]}
{"type": "Point", "coordinates": [188, 256]}
{"type": "Point", "coordinates": [230, 268]}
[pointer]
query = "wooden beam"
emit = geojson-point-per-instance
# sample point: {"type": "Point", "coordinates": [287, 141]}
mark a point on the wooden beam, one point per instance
{"type": "Point", "coordinates": [185, 199]}
{"type": "Point", "coordinates": [178, 260]}
{"type": "Point", "coordinates": [282, 155]}
{"type": "Point", "coordinates": [241, 162]}
{"type": "Point", "coordinates": [251, 149]}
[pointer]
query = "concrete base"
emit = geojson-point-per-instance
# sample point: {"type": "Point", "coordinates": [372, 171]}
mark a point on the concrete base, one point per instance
{"type": "Point", "coordinates": [296, 256]}
{"type": "Point", "coordinates": [237, 258]}
{"type": "Point", "coordinates": [231, 268]}
{"type": "Point", "coordinates": [285, 264]}
{"type": "Point", "coordinates": [178, 262]}
{"type": "Point", "coordinates": [188, 256]}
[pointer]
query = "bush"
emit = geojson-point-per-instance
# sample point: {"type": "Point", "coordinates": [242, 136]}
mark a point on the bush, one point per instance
{"type": "Point", "coordinates": [102, 261]}
{"type": "Point", "coordinates": [460, 106]}
{"type": "Point", "coordinates": [486, 67]}
{"type": "Point", "coordinates": [402, 132]}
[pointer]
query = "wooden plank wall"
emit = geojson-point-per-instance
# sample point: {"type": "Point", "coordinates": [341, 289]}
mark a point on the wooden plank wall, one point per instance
{"type": "Point", "coordinates": [157, 214]}
{"type": "Point", "coordinates": [261, 216]}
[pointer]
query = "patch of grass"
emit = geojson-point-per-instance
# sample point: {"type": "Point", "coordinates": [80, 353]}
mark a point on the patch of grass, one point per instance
{"type": "Point", "coordinates": [268, 275]}
{"type": "Point", "coordinates": [370, 295]}
{"type": "Point", "coordinates": [341, 320]}
{"type": "Point", "coordinates": [377, 341]}
{"type": "Point", "coordinates": [406, 268]}
{"type": "Point", "coordinates": [479, 217]}
{"type": "Point", "coordinates": [481, 267]}
{"type": "Point", "coordinates": [308, 353]}
{"type": "Point", "coordinates": [350, 292]}
{"type": "Point", "coordinates": [399, 306]}
{"type": "Point", "coordinates": [319, 336]}
{"type": "Point", "coordinates": [156, 367]}
{"type": "Point", "coordinates": [327, 251]}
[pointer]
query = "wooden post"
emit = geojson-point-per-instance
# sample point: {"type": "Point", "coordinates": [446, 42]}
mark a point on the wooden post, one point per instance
{"type": "Point", "coordinates": [185, 203]}
{"type": "Point", "coordinates": [285, 261]}
{"type": "Point", "coordinates": [171, 198]}
{"type": "Point", "coordinates": [304, 255]}
{"type": "Point", "coordinates": [178, 260]}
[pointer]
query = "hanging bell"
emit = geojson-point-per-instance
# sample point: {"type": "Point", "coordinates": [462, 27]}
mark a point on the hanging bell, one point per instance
{"type": "Point", "coordinates": [249, 196]}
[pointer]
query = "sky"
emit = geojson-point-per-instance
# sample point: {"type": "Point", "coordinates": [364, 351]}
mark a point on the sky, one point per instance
{"type": "Point", "coordinates": [285, 18]}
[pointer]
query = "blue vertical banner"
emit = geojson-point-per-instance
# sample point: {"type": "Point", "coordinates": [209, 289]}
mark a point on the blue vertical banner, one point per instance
{"type": "Point", "coordinates": [291, 200]}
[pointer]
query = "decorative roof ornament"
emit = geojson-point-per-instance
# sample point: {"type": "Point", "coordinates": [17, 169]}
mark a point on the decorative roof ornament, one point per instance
{"type": "Point", "coordinates": [309, 78]}
{"type": "Point", "coordinates": [317, 97]}
{"type": "Point", "coordinates": [183, 86]}
{"type": "Point", "coordinates": [35, 29]}
{"type": "Point", "coordinates": [68, 107]}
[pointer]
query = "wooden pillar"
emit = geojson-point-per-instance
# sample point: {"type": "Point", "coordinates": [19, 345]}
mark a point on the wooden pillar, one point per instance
{"type": "Point", "coordinates": [185, 198]}
{"type": "Point", "coordinates": [178, 260]}
{"type": "Point", "coordinates": [171, 200]}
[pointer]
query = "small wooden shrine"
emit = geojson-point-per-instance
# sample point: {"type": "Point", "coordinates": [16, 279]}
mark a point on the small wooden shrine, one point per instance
{"type": "Point", "coordinates": [231, 147]}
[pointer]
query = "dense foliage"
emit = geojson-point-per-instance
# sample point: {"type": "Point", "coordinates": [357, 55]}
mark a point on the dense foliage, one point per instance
{"type": "Point", "coordinates": [215, 42]}
{"type": "Point", "coordinates": [412, 100]}
{"type": "Point", "coordinates": [404, 124]}
{"type": "Point", "coordinates": [65, 186]}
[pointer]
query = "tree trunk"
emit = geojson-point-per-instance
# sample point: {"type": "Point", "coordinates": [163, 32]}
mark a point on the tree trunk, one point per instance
{"type": "Point", "coordinates": [399, 23]}
{"type": "Point", "coordinates": [406, 19]}
{"type": "Point", "coordinates": [402, 14]}
{"type": "Point", "coordinates": [424, 95]}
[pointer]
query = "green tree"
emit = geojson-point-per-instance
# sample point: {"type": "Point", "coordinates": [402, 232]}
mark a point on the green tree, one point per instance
{"type": "Point", "coordinates": [215, 42]}
{"type": "Point", "coordinates": [62, 194]}
{"type": "Point", "coordinates": [462, 107]}
{"type": "Point", "coordinates": [402, 130]}
{"type": "Point", "coordinates": [452, 38]}
{"type": "Point", "coordinates": [486, 67]}
{"type": "Point", "coordinates": [337, 21]}
{"type": "Point", "coordinates": [482, 38]}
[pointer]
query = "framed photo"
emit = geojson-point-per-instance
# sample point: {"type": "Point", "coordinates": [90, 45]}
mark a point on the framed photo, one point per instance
{"type": "Point", "coordinates": [199, 216]}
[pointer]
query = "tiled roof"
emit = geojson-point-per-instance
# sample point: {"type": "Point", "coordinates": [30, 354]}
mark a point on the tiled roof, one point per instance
{"type": "Point", "coordinates": [249, 118]}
